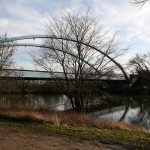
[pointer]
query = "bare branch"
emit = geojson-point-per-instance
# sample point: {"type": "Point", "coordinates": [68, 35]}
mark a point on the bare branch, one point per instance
{"type": "Point", "coordinates": [6, 53]}
{"type": "Point", "coordinates": [139, 2]}
{"type": "Point", "coordinates": [83, 49]}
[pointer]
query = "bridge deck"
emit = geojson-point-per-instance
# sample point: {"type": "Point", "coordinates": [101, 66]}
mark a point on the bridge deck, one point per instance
{"type": "Point", "coordinates": [45, 75]}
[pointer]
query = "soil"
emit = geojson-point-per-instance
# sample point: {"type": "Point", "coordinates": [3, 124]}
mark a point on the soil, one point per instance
{"type": "Point", "coordinates": [17, 139]}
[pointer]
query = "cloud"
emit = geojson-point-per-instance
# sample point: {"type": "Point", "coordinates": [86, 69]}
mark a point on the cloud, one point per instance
{"type": "Point", "coordinates": [21, 20]}
{"type": "Point", "coordinates": [26, 17]}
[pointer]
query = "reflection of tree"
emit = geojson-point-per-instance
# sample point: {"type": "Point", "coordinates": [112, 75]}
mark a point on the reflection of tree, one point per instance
{"type": "Point", "coordinates": [142, 118]}
{"type": "Point", "coordinates": [35, 101]}
{"type": "Point", "coordinates": [54, 100]}
{"type": "Point", "coordinates": [125, 112]}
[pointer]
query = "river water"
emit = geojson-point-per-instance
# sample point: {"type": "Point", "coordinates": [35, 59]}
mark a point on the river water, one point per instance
{"type": "Point", "coordinates": [130, 109]}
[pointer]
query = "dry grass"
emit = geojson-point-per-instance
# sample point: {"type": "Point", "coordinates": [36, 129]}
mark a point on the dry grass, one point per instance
{"type": "Point", "coordinates": [63, 118]}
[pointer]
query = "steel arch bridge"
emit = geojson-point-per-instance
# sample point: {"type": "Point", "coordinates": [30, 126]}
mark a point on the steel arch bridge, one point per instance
{"type": "Point", "coordinates": [12, 39]}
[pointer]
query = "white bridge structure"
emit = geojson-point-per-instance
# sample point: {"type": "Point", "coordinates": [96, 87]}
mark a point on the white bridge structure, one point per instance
{"type": "Point", "coordinates": [45, 75]}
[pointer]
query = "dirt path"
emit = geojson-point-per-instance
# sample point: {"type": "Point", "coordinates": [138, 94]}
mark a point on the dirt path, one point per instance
{"type": "Point", "coordinates": [16, 139]}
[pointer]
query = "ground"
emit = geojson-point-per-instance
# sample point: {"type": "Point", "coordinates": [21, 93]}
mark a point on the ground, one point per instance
{"type": "Point", "coordinates": [16, 139]}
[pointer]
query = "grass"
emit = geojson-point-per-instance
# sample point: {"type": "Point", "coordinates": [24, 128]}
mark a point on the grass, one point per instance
{"type": "Point", "coordinates": [77, 125]}
{"type": "Point", "coordinates": [63, 118]}
{"type": "Point", "coordinates": [130, 139]}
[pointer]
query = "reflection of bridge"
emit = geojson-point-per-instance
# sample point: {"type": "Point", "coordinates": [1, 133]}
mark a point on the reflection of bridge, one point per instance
{"type": "Point", "coordinates": [109, 111]}
{"type": "Point", "coordinates": [45, 75]}
{"type": "Point", "coordinates": [70, 53]}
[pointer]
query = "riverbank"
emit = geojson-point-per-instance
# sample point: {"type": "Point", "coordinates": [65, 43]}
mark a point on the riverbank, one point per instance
{"type": "Point", "coordinates": [33, 135]}
{"type": "Point", "coordinates": [79, 128]}
{"type": "Point", "coordinates": [15, 138]}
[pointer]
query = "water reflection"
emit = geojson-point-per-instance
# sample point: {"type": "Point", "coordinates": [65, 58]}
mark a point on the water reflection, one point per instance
{"type": "Point", "coordinates": [142, 117]}
{"type": "Point", "coordinates": [133, 110]}
{"type": "Point", "coordinates": [52, 101]}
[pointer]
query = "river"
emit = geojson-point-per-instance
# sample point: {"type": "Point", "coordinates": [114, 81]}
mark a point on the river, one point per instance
{"type": "Point", "coordinates": [130, 109]}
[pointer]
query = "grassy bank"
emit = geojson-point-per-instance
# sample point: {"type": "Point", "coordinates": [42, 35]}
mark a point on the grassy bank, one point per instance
{"type": "Point", "coordinates": [77, 125]}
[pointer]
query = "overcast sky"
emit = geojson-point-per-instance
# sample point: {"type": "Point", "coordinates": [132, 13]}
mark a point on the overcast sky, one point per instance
{"type": "Point", "coordinates": [27, 17]}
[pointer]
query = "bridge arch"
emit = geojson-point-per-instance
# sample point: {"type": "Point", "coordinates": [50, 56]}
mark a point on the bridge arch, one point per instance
{"type": "Point", "coordinates": [44, 46]}
{"type": "Point", "coordinates": [67, 39]}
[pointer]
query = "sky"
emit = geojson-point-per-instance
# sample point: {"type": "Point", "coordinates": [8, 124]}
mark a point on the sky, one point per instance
{"type": "Point", "coordinates": [28, 17]}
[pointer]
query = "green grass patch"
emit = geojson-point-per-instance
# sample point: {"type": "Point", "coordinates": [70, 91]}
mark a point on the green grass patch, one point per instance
{"type": "Point", "coordinates": [132, 139]}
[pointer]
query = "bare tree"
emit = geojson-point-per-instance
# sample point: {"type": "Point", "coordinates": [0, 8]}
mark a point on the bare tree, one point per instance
{"type": "Point", "coordinates": [73, 54]}
{"type": "Point", "coordinates": [6, 62]}
{"type": "Point", "coordinates": [6, 53]}
{"type": "Point", "coordinates": [140, 64]}
{"type": "Point", "coordinates": [139, 2]}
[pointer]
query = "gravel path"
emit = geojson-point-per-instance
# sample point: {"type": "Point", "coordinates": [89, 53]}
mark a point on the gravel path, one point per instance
{"type": "Point", "coordinates": [17, 139]}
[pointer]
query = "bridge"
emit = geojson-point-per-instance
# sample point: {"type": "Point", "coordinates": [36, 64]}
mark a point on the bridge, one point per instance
{"type": "Point", "coordinates": [13, 39]}
{"type": "Point", "coordinates": [45, 75]}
